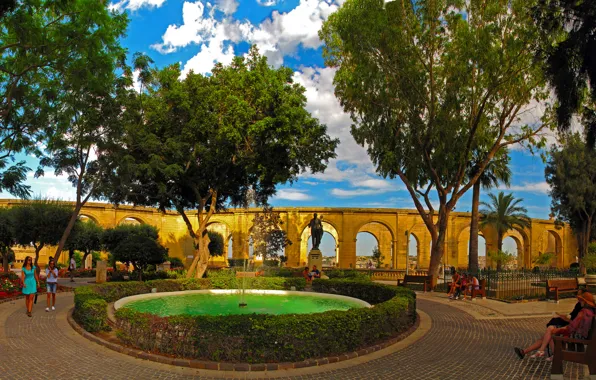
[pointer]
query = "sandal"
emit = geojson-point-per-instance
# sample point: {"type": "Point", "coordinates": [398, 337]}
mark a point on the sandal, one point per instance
{"type": "Point", "coordinates": [538, 354]}
{"type": "Point", "coordinates": [549, 359]}
{"type": "Point", "coordinates": [28, 313]}
{"type": "Point", "coordinates": [519, 352]}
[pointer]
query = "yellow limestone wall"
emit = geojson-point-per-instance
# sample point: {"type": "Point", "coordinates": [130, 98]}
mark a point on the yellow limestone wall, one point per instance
{"type": "Point", "coordinates": [390, 227]}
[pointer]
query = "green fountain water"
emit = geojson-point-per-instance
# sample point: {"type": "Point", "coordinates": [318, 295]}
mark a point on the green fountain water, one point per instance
{"type": "Point", "coordinates": [226, 304]}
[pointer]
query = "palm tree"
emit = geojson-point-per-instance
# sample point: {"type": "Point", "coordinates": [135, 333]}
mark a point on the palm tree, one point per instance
{"type": "Point", "coordinates": [496, 172]}
{"type": "Point", "coordinates": [504, 213]}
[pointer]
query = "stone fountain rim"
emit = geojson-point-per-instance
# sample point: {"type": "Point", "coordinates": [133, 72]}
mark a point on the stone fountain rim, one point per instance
{"type": "Point", "coordinates": [123, 301]}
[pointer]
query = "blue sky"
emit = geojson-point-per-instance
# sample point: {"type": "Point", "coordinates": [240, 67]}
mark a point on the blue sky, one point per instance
{"type": "Point", "coordinates": [197, 34]}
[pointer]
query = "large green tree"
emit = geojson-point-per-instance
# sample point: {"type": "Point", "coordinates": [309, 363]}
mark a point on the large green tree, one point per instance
{"type": "Point", "coordinates": [197, 144]}
{"type": "Point", "coordinates": [428, 83]}
{"type": "Point", "coordinates": [495, 173]}
{"type": "Point", "coordinates": [504, 213]}
{"type": "Point", "coordinates": [86, 237]}
{"type": "Point", "coordinates": [571, 174]}
{"type": "Point", "coordinates": [7, 239]}
{"type": "Point", "coordinates": [39, 223]}
{"type": "Point", "coordinates": [269, 238]}
{"type": "Point", "coordinates": [47, 46]}
{"type": "Point", "coordinates": [571, 60]}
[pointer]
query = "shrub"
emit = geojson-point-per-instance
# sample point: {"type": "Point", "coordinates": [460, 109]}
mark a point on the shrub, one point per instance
{"type": "Point", "coordinates": [237, 263]}
{"type": "Point", "coordinates": [276, 338]}
{"type": "Point", "coordinates": [349, 274]}
{"type": "Point", "coordinates": [175, 263]}
{"type": "Point", "coordinates": [92, 314]}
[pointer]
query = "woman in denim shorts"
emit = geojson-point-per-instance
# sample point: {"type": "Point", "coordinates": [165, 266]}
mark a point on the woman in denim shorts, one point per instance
{"type": "Point", "coordinates": [51, 283]}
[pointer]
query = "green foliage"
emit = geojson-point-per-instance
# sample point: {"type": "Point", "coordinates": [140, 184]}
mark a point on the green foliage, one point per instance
{"type": "Point", "coordinates": [85, 237]}
{"type": "Point", "coordinates": [175, 262]}
{"type": "Point", "coordinates": [269, 240]}
{"type": "Point", "coordinates": [92, 315]}
{"type": "Point", "coordinates": [216, 243]}
{"type": "Point", "coordinates": [502, 258]}
{"type": "Point", "coordinates": [237, 263]}
{"type": "Point", "coordinates": [347, 274]}
{"type": "Point", "coordinates": [49, 50]}
{"type": "Point", "coordinates": [7, 239]}
{"type": "Point", "coordinates": [544, 259]}
{"type": "Point", "coordinates": [377, 257]}
{"type": "Point", "coordinates": [261, 338]}
{"type": "Point", "coordinates": [571, 174]}
{"type": "Point", "coordinates": [208, 140]}
{"type": "Point", "coordinates": [40, 223]}
{"type": "Point", "coordinates": [430, 88]}
{"type": "Point", "coordinates": [141, 251]}
{"type": "Point", "coordinates": [589, 260]}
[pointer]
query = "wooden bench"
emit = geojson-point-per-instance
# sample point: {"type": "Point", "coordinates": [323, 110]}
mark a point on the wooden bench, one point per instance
{"type": "Point", "coordinates": [581, 351]}
{"type": "Point", "coordinates": [426, 281]}
{"type": "Point", "coordinates": [554, 287]}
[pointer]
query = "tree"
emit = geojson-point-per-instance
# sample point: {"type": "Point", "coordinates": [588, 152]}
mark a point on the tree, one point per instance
{"type": "Point", "coordinates": [503, 258]}
{"type": "Point", "coordinates": [86, 237]}
{"type": "Point", "coordinates": [377, 257]}
{"type": "Point", "coordinates": [46, 45]}
{"type": "Point", "coordinates": [39, 223]}
{"type": "Point", "coordinates": [7, 240]}
{"type": "Point", "coordinates": [571, 174]}
{"type": "Point", "coordinates": [216, 243]}
{"type": "Point", "coordinates": [268, 237]}
{"type": "Point", "coordinates": [496, 172]}
{"type": "Point", "coordinates": [140, 250]}
{"type": "Point", "coordinates": [571, 60]}
{"type": "Point", "coordinates": [504, 213]}
{"type": "Point", "coordinates": [137, 244]}
{"type": "Point", "coordinates": [430, 83]}
{"type": "Point", "coordinates": [205, 141]}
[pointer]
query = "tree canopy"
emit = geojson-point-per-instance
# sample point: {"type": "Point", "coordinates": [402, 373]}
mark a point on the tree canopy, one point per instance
{"type": "Point", "coordinates": [203, 142]}
{"type": "Point", "coordinates": [269, 239]}
{"type": "Point", "coordinates": [571, 174]}
{"type": "Point", "coordinates": [48, 47]}
{"type": "Point", "coordinates": [430, 83]}
{"type": "Point", "coordinates": [571, 60]}
{"type": "Point", "coordinates": [86, 237]}
{"type": "Point", "coordinates": [7, 238]}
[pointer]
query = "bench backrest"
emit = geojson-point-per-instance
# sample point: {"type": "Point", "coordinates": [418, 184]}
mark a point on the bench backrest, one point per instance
{"type": "Point", "coordinates": [563, 284]}
{"type": "Point", "coordinates": [482, 283]}
{"type": "Point", "coordinates": [412, 278]}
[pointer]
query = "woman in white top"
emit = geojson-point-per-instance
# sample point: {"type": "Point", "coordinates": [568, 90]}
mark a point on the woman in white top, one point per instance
{"type": "Point", "coordinates": [51, 284]}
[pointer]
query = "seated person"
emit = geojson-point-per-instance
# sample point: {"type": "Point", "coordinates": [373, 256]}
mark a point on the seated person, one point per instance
{"type": "Point", "coordinates": [473, 283]}
{"type": "Point", "coordinates": [455, 283]}
{"type": "Point", "coordinates": [315, 272]}
{"type": "Point", "coordinates": [462, 286]}
{"type": "Point", "coordinates": [306, 274]}
{"type": "Point", "coordinates": [584, 309]}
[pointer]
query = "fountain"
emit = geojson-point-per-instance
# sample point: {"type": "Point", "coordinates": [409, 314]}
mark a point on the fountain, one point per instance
{"type": "Point", "coordinates": [244, 274]}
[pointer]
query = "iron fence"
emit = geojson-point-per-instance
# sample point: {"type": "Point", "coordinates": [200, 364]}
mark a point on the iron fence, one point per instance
{"type": "Point", "coordinates": [514, 284]}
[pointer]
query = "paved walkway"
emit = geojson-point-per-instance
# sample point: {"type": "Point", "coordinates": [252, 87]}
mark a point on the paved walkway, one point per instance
{"type": "Point", "coordinates": [457, 345]}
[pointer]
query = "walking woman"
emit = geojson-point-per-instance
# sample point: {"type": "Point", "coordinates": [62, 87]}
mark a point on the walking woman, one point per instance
{"type": "Point", "coordinates": [52, 283]}
{"type": "Point", "coordinates": [30, 282]}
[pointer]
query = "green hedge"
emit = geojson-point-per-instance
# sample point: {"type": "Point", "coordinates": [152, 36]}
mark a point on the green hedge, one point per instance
{"type": "Point", "coordinates": [260, 338]}
{"type": "Point", "coordinates": [86, 316]}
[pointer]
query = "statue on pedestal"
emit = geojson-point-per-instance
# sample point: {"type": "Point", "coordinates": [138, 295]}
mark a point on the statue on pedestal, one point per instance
{"type": "Point", "coordinates": [316, 231]}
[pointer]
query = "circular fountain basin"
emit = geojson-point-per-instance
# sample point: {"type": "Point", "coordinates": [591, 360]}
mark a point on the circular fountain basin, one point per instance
{"type": "Point", "coordinates": [226, 302]}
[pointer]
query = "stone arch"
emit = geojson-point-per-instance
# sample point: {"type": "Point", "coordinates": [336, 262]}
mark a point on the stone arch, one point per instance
{"type": "Point", "coordinates": [523, 247]}
{"type": "Point", "coordinates": [131, 219]}
{"type": "Point", "coordinates": [415, 265]}
{"type": "Point", "coordinates": [305, 236]}
{"type": "Point", "coordinates": [461, 258]}
{"type": "Point", "coordinates": [224, 230]}
{"type": "Point", "coordinates": [384, 237]}
{"type": "Point", "coordinates": [551, 242]}
{"type": "Point", "coordinates": [88, 217]}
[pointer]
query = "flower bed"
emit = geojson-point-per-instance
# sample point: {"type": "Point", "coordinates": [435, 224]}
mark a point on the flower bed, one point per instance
{"type": "Point", "coordinates": [10, 285]}
{"type": "Point", "coordinates": [253, 338]}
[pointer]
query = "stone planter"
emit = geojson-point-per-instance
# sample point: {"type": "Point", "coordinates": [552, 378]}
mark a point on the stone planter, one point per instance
{"type": "Point", "coordinates": [591, 279]}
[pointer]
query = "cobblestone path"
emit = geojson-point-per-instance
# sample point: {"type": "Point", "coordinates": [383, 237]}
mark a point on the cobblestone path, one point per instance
{"type": "Point", "coordinates": [457, 346]}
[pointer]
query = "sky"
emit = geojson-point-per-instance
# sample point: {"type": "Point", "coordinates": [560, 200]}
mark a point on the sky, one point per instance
{"type": "Point", "coordinates": [197, 34]}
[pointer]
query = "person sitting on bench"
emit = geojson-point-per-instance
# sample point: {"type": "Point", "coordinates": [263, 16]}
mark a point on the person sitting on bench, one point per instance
{"type": "Point", "coordinates": [315, 272]}
{"type": "Point", "coordinates": [462, 286]}
{"type": "Point", "coordinates": [473, 283]}
{"type": "Point", "coordinates": [584, 310]}
{"type": "Point", "coordinates": [455, 283]}
{"type": "Point", "coordinates": [306, 274]}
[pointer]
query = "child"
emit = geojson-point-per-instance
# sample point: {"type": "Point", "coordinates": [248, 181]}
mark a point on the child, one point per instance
{"type": "Point", "coordinates": [51, 284]}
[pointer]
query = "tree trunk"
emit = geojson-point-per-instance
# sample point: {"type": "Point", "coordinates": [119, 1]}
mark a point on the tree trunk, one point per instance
{"type": "Point", "coordinates": [68, 230]}
{"type": "Point", "coordinates": [5, 262]}
{"type": "Point", "coordinates": [437, 250]}
{"type": "Point", "coordinates": [37, 250]}
{"type": "Point", "coordinates": [499, 248]}
{"type": "Point", "coordinates": [473, 247]}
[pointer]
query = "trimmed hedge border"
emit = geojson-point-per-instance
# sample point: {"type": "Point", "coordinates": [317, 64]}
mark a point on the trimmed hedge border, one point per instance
{"type": "Point", "coordinates": [256, 340]}
{"type": "Point", "coordinates": [239, 367]}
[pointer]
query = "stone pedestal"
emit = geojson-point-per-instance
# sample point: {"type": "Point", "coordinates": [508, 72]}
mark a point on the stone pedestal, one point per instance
{"type": "Point", "coordinates": [101, 272]}
{"type": "Point", "coordinates": [315, 257]}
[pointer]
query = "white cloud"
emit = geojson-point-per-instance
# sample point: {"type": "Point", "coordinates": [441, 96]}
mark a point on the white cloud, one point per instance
{"type": "Point", "coordinates": [134, 5]}
{"type": "Point", "coordinates": [227, 6]}
{"type": "Point", "coordinates": [537, 187]}
{"type": "Point", "coordinates": [292, 195]}
{"type": "Point", "coordinates": [267, 3]}
{"type": "Point", "coordinates": [342, 193]}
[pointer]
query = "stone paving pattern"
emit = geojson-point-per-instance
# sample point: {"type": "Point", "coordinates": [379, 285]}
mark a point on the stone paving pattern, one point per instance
{"type": "Point", "coordinates": [457, 346]}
